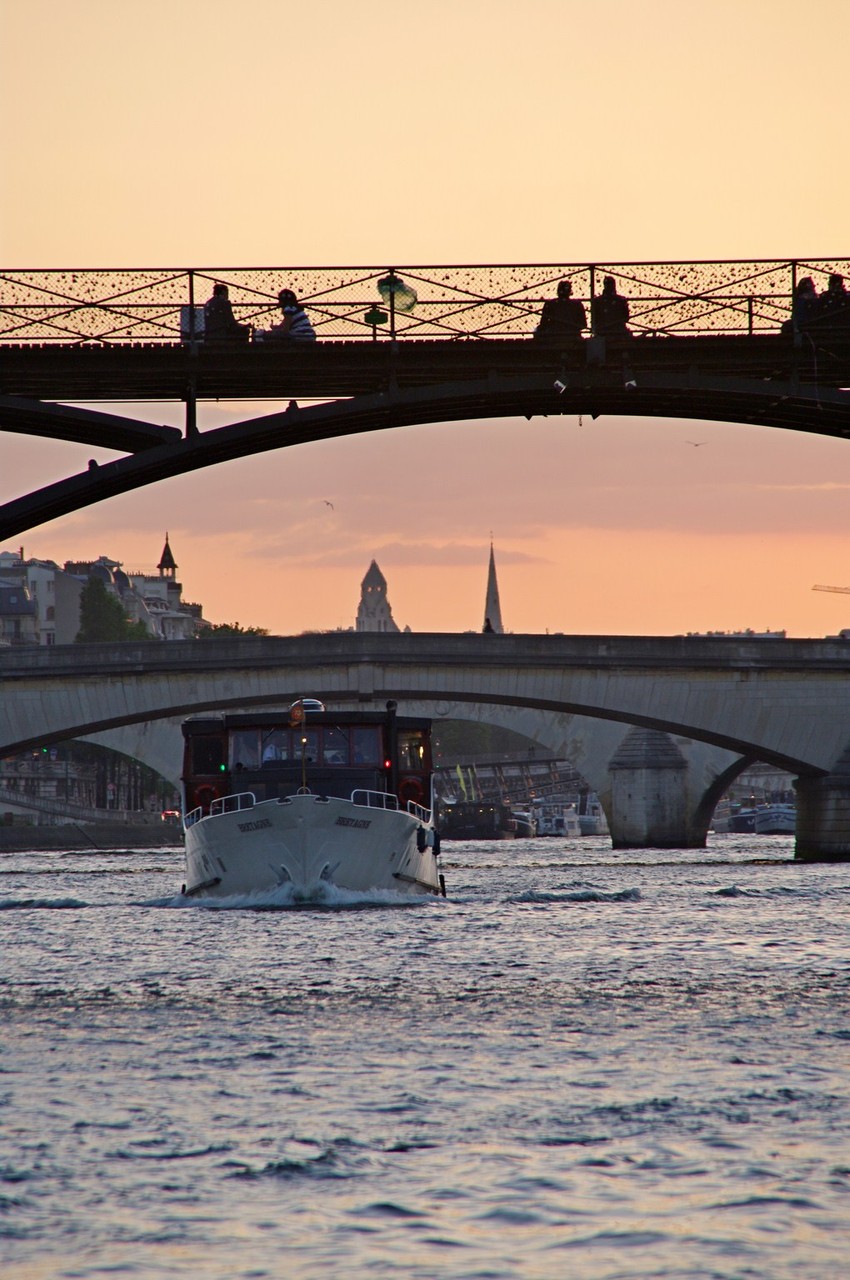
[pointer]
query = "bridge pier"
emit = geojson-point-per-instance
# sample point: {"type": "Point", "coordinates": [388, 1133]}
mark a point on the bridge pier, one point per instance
{"type": "Point", "coordinates": [648, 805]}
{"type": "Point", "coordinates": [823, 816]}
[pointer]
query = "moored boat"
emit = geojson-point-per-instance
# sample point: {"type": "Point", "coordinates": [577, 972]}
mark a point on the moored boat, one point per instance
{"type": "Point", "coordinates": [591, 815]}
{"type": "Point", "coordinates": [557, 820]}
{"type": "Point", "coordinates": [775, 820]}
{"type": "Point", "coordinates": [477, 820]}
{"type": "Point", "coordinates": [306, 798]}
{"type": "Point", "coordinates": [526, 823]}
{"type": "Point", "coordinates": [742, 820]}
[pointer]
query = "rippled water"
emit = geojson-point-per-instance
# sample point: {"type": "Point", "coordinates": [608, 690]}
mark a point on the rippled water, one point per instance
{"type": "Point", "coordinates": [581, 1064]}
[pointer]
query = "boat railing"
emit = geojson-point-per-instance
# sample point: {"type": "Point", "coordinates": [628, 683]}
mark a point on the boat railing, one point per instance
{"type": "Point", "coordinates": [419, 811]}
{"type": "Point", "coordinates": [374, 799]}
{"type": "Point", "coordinates": [232, 804]}
{"type": "Point", "coordinates": [224, 804]}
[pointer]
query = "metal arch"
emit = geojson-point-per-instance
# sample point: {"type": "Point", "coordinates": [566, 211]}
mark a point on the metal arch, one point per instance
{"type": "Point", "coordinates": [758, 402]}
{"type": "Point", "coordinates": [83, 426]}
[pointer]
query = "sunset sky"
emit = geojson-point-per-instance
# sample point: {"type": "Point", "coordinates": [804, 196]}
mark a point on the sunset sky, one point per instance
{"type": "Point", "coordinates": [279, 133]}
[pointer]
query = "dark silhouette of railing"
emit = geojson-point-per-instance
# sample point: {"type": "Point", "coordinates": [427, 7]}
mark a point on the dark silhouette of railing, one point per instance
{"type": "Point", "coordinates": [403, 302]}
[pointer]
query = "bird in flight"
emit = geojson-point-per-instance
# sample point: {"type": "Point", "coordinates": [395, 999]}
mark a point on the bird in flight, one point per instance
{"type": "Point", "coordinates": [696, 443]}
{"type": "Point", "coordinates": [328, 504]}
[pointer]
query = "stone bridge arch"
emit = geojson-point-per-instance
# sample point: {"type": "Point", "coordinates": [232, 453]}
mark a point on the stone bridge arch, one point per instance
{"type": "Point", "coordinates": [645, 804]}
{"type": "Point", "coordinates": [785, 702]}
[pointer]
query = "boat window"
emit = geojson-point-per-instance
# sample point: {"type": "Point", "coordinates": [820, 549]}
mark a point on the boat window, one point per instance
{"type": "Point", "coordinates": [366, 745]}
{"type": "Point", "coordinates": [411, 751]}
{"type": "Point", "coordinates": [277, 746]}
{"type": "Point", "coordinates": [245, 749]}
{"type": "Point", "coordinates": [207, 754]}
{"type": "Point", "coordinates": [335, 745]}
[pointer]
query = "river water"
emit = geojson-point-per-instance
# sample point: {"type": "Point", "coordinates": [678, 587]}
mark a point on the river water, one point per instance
{"type": "Point", "coordinates": [580, 1064]}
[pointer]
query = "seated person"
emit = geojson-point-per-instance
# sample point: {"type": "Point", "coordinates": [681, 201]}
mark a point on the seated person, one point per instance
{"type": "Point", "coordinates": [562, 318]}
{"type": "Point", "coordinates": [295, 326]}
{"type": "Point", "coordinates": [220, 324]}
{"type": "Point", "coordinates": [276, 746]}
{"type": "Point", "coordinates": [610, 312]}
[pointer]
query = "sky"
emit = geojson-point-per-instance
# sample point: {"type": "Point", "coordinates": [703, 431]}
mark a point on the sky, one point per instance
{"type": "Point", "coordinates": [167, 133]}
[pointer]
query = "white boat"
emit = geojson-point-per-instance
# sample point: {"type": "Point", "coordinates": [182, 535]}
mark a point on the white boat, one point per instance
{"type": "Point", "coordinates": [306, 798]}
{"type": "Point", "coordinates": [742, 820]}
{"type": "Point", "coordinates": [591, 816]}
{"type": "Point", "coordinates": [557, 820]}
{"type": "Point", "coordinates": [775, 820]}
{"type": "Point", "coordinates": [526, 823]}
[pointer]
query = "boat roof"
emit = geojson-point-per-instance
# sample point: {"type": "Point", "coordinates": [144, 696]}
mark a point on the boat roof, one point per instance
{"type": "Point", "coordinates": [280, 719]}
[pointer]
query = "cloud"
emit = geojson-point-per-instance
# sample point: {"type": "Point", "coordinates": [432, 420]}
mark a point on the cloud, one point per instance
{"type": "Point", "coordinates": [823, 486]}
{"type": "Point", "coordinates": [396, 554]}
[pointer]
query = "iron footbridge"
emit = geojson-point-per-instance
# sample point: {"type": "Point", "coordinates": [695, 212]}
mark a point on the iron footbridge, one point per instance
{"type": "Point", "coordinates": [398, 346]}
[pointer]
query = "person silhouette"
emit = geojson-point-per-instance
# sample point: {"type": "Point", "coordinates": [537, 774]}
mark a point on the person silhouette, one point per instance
{"type": "Point", "coordinates": [295, 325]}
{"type": "Point", "coordinates": [834, 305]}
{"type": "Point", "coordinates": [610, 312]}
{"type": "Point", "coordinates": [805, 308]}
{"type": "Point", "coordinates": [562, 318]}
{"type": "Point", "coordinates": [220, 324]}
{"type": "Point", "coordinates": [806, 305]}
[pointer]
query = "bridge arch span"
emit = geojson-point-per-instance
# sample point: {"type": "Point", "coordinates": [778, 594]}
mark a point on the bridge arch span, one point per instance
{"type": "Point", "coordinates": [77, 724]}
{"type": "Point", "coordinates": [159, 456]}
{"type": "Point", "coordinates": [699, 708]}
{"type": "Point", "coordinates": [786, 702]}
{"type": "Point", "coordinates": [589, 744]}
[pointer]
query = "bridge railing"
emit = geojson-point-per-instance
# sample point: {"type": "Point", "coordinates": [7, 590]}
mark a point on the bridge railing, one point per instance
{"type": "Point", "coordinates": [404, 302]}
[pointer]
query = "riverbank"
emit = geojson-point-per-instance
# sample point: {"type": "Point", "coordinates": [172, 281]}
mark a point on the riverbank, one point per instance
{"type": "Point", "coordinates": [96, 835]}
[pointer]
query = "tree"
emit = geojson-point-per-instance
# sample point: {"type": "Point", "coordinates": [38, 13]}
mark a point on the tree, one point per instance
{"type": "Point", "coordinates": [102, 617]}
{"type": "Point", "coordinates": [223, 630]}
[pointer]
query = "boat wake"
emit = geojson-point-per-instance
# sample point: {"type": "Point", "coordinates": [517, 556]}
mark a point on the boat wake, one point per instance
{"type": "Point", "coordinates": [41, 904]}
{"type": "Point", "coordinates": [579, 895]}
{"type": "Point", "coordinates": [320, 897]}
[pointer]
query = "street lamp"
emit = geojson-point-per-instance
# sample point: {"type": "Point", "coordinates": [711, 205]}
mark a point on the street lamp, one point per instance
{"type": "Point", "coordinates": [375, 316]}
{"type": "Point", "coordinates": [397, 295]}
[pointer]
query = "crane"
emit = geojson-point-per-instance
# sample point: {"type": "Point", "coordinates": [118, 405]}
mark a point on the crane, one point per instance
{"type": "Point", "coordinates": [844, 590]}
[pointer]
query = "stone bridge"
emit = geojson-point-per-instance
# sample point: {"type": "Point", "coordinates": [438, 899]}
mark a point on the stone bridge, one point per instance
{"type": "Point", "coordinates": [658, 726]}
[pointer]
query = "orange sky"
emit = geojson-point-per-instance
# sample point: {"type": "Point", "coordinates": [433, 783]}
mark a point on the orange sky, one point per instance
{"type": "Point", "coordinates": [172, 133]}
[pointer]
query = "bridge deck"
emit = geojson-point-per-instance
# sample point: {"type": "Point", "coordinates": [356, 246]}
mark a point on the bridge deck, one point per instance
{"type": "Point", "coordinates": [95, 371]}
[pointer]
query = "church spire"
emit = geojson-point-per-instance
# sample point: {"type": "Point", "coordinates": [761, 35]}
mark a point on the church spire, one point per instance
{"type": "Point", "coordinates": [167, 564]}
{"type": "Point", "coordinates": [492, 608]}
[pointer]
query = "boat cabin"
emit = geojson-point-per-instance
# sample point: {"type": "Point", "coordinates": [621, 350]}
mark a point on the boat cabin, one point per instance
{"type": "Point", "coordinates": [329, 753]}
